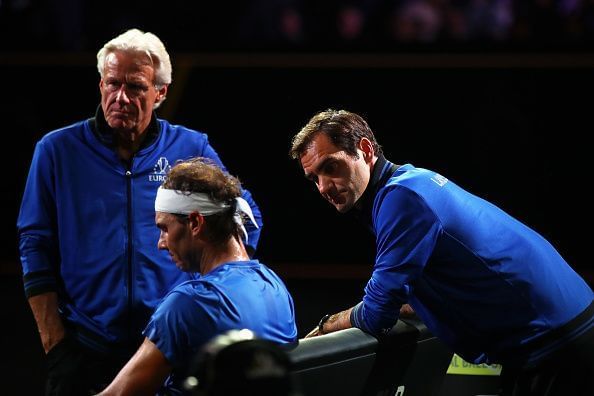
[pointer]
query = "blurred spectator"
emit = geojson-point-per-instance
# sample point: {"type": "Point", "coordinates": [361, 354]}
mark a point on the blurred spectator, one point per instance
{"type": "Point", "coordinates": [351, 21]}
{"type": "Point", "coordinates": [489, 19]}
{"type": "Point", "coordinates": [271, 23]}
{"type": "Point", "coordinates": [416, 21]}
{"type": "Point", "coordinates": [302, 24]}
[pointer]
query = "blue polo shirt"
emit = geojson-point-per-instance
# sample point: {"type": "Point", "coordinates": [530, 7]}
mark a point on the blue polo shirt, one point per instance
{"type": "Point", "coordinates": [235, 295]}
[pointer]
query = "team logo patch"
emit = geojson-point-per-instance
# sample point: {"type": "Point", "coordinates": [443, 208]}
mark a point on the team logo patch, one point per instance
{"type": "Point", "coordinates": [160, 170]}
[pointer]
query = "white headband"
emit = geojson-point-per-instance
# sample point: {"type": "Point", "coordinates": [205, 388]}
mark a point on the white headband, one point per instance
{"type": "Point", "coordinates": [179, 202]}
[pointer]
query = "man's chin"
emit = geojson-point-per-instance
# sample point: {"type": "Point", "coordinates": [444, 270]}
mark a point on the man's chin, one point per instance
{"type": "Point", "coordinates": [343, 208]}
{"type": "Point", "coordinates": [181, 266]}
{"type": "Point", "coordinates": [121, 128]}
{"type": "Point", "coordinates": [120, 123]}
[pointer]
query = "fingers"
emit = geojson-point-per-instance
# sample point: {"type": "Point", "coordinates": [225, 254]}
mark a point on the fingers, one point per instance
{"type": "Point", "coordinates": [407, 311]}
{"type": "Point", "coordinates": [314, 333]}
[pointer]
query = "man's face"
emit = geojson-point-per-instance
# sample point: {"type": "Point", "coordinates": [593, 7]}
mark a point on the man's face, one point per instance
{"type": "Point", "coordinates": [176, 238]}
{"type": "Point", "coordinates": [340, 178]}
{"type": "Point", "coordinates": [128, 92]}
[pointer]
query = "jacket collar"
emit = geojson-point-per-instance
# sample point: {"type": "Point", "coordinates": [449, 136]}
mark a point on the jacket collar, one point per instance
{"type": "Point", "coordinates": [106, 135]}
{"type": "Point", "coordinates": [382, 171]}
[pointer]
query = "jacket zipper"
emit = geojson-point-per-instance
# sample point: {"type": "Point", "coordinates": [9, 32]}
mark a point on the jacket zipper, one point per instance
{"type": "Point", "coordinates": [129, 251]}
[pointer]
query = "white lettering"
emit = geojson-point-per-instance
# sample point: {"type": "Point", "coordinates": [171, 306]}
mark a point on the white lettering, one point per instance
{"type": "Point", "coordinates": [157, 178]}
{"type": "Point", "coordinates": [439, 180]}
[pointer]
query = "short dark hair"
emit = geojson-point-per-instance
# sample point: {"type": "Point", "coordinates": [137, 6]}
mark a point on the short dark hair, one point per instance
{"type": "Point", "coordinates": [345, 130]}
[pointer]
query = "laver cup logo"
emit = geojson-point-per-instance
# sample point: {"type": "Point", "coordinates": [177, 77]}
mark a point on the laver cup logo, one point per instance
{"type": "Point", "coordinates": [160, 170]}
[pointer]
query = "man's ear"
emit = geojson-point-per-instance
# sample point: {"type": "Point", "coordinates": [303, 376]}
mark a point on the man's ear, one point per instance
{"type": "Point", "coordinates": [162, 93]}
{"type": "Point", "coordinates": [366, 147]}
{"type": "Point", "coordinates": [196, 222]}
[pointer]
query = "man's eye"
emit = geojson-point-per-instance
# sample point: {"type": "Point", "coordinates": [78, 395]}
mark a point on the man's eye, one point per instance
{"type": "Point", "coordinates": [329, 167]}
{"type": "Point", "coordinates": [136, 88]}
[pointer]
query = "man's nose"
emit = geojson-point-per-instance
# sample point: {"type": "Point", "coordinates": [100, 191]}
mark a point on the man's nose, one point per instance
{"type": "Point", "coordinates": [161, 244]}
{"type": "Point", "coordinates": [121, 95]}
{"type": "Point", "coordinates": [323, 185]}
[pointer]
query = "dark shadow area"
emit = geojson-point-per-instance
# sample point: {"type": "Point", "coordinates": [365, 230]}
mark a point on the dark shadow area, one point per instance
{"type": "Point", "coordinates": [23, 372]}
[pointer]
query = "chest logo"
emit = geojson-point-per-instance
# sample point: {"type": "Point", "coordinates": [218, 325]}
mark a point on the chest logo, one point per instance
{"type": "Point", "coordinates": [160, 170]}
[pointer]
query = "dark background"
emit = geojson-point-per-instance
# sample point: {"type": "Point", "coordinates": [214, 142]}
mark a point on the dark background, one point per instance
{"type": "Point", "coordinates": [514, 135]}
{"type": "Point", "coordinates": [508, 119]}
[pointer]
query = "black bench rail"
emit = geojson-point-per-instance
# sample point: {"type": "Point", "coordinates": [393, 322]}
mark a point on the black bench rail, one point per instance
{"type": "Point", "coordinates": [408, 361]}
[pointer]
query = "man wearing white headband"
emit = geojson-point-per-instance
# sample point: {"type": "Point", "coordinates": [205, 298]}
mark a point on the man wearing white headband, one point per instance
{"type": "Point", "coordinates": [200, 214]}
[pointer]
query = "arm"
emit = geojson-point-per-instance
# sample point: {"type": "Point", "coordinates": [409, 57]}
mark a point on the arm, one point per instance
{"type": "Point", "coordinates": [342, 320]}
{"type": "Point", "coordinates": [38, 250]}
{"type": "Point", "coordinates": [406, 233]}
{"type": "Point", "coordinates": [45, 311]}
{"type": "Point", "coordinates": [144, 373]}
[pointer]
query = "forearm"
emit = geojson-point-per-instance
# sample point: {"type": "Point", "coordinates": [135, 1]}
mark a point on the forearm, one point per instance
{"type": "Point", "coordinates": [339, 321]}
{"type": "Point", "coordinates": [49, 323]}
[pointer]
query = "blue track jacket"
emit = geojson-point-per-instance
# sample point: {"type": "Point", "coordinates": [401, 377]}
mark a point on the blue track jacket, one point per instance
{"type": "Point", "coordinates": [487, 285]}
{"type": "Point", "coordinates": [87, 230]}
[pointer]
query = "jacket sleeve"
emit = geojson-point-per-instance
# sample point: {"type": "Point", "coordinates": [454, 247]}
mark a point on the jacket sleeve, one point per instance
{"type": "Point", "coordinates": [36, 226]}
{"type": "Point", "coordinates": [406, 234]}
{"type": "Point", "coordinates": [252, 230]}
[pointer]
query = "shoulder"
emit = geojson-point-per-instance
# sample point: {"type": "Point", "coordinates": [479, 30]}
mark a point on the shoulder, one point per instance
{"type": "Point", "coordinates": [187, 290]}
{"type": "Point", "coordinates": [411, 181]}
{"type": "Point", "coordinates": [185, 298]}
{"type": "Point", "coordinates": [415, 178]}
{"type": "Point", "coordinates": [61, 143]}
{"type": "Point", "coordinates": [266, 270]}
{"type": "Point", "coordinates": [64, 133]}
{"type": "Point", "coordinates": [415, 194]}
{"type": "Point", "coordinates": [408, 191]}
{"type": "Point", "coordinates": [181, 131]}
{"type": "Point", "coordinates": [234, 278]}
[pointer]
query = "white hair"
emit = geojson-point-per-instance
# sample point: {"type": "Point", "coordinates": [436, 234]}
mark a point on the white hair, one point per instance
{"type": "Point", "coordinates": [135, 40]}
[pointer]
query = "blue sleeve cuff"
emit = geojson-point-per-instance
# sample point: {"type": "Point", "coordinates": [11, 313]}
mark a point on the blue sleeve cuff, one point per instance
{"type": "Point", "coordinates": [39, 282]}
{"type": "Point", "coordinates": [357, 317]}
